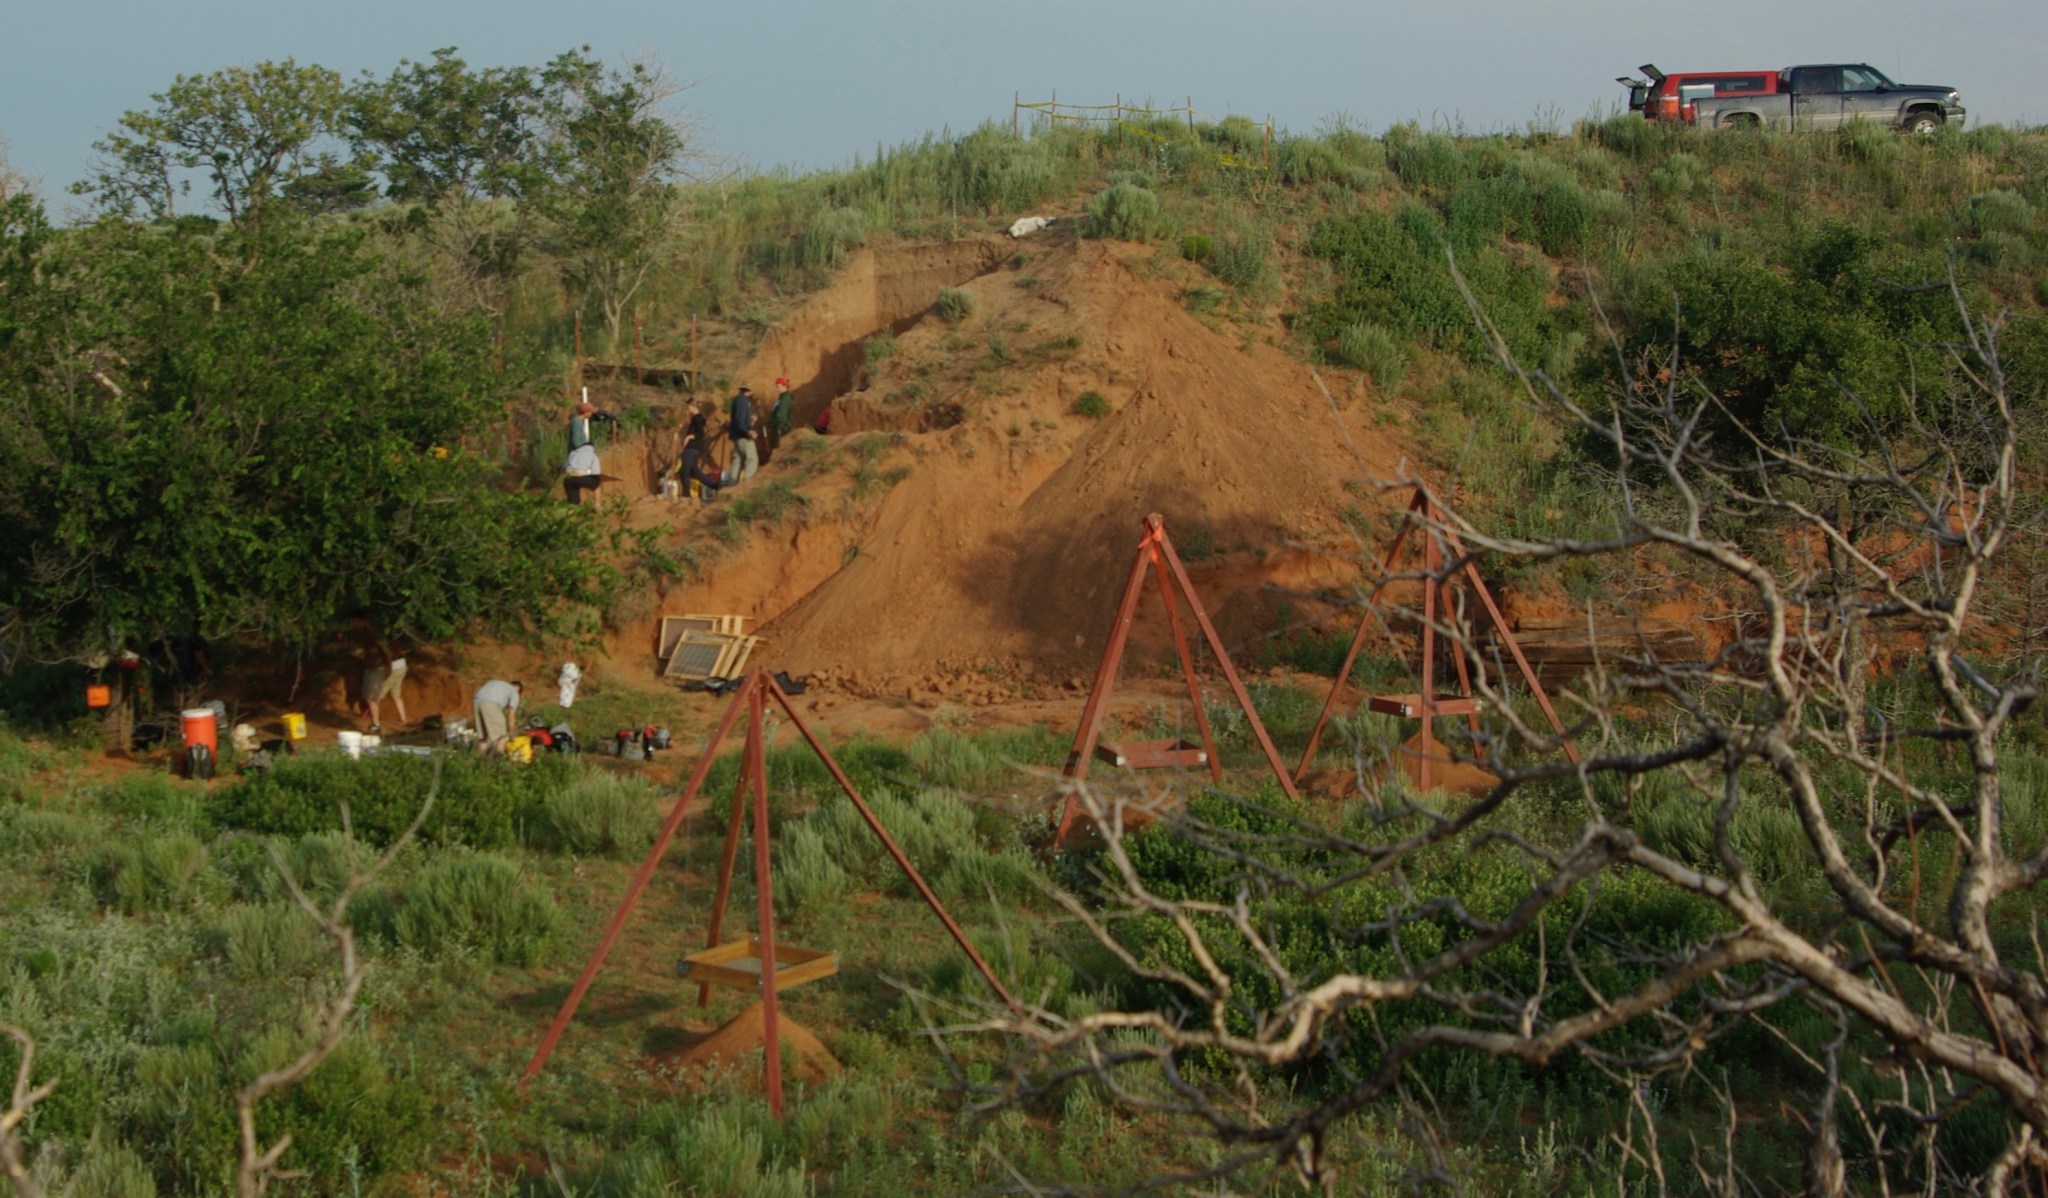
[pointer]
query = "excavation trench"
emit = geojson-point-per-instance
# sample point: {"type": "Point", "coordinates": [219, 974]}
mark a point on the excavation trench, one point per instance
{"type": "Point", "coordinates": [819, 347]}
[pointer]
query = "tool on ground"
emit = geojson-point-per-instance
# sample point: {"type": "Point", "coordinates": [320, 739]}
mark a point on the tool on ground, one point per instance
{"type": "Point", "coordinates": [756, 962]}
{"type": "Point", "coordinates": [1441, 552]}
{"type": "Point", "coordinates": [1156, 553]}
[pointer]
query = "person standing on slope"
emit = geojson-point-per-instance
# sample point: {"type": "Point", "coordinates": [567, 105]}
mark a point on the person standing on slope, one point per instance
{"type": "Point", "coordinates": [746, 457]}
{"type": "Point", "coordinates": [781, 415]}
{"type": "Point", "coordinates": [581, 470]}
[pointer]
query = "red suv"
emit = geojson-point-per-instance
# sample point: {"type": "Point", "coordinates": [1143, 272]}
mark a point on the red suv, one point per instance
{"type": "Point", "coordinates": [1671, 97]}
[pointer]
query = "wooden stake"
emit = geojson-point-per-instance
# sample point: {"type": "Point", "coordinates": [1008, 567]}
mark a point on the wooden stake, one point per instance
{"type": "Point", "coordinates": [764, 902]}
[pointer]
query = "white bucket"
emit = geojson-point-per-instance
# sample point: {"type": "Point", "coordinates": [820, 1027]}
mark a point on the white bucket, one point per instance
{"type": "Point", "coordinates": [351, 743]}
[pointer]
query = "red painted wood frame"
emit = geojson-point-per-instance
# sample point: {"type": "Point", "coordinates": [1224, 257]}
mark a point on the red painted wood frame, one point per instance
{"type": "Point", "coordinates": [751, 699]}
{"type": "Point", "coordinates": [1440, 546]}
{"type": "Point", "coordinates": [1156, 553]}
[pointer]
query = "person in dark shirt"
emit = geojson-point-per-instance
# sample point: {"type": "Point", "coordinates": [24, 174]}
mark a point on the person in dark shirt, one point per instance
{"type": "Point", "coordinates": [693, 468]}
{"type": "Point", "coordinates": [746, 456]}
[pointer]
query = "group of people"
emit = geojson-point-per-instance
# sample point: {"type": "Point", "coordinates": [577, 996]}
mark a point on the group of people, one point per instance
{"type": "Point", "coordinates": [693, 473]}
{"type": "Point", "coordinates": [492, 708]}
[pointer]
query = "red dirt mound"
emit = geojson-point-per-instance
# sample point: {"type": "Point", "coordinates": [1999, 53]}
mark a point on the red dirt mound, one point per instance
{"type": "Point", "coordinates": [1002, 548]}
{"type": "Point", "coordinates": [737, 1045]}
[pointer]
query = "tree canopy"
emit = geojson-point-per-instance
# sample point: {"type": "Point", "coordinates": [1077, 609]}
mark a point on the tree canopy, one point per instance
{"type": "Point", "coordinates": [250, 431]}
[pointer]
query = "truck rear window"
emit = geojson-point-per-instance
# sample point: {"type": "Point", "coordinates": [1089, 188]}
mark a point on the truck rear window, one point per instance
{"type": "Point", "coordinates": [1741, 85]}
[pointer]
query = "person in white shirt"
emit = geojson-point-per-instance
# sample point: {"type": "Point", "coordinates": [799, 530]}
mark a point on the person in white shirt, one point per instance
{"type": "Point", "coordinates": [492, 710]}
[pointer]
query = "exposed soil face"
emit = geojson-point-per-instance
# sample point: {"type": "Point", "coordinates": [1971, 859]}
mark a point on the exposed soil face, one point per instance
{"type": "Point", "coordinates": [818, 347]}
{"type": "Point", "coordinates": [1006, 524]}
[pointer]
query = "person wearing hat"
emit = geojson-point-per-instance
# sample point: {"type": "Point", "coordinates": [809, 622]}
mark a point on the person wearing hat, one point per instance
{"type": "Point", "coordinates": [780, 416]}
{"type": "Point", "coordinates": [746, 456]}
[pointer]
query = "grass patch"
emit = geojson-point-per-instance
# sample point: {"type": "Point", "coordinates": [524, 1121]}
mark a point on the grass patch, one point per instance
{"type": "Point", "coordinates": [1090, 404]}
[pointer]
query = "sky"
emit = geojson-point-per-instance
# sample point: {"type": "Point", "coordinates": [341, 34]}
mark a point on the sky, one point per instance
{"type": "Point", "coordinates": [810, 84]}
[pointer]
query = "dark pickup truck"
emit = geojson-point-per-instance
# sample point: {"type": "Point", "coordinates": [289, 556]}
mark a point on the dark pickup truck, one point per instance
{"type": "Point", "coordinates": [1831, 95]}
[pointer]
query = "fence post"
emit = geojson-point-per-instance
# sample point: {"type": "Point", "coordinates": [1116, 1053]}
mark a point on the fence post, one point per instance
{"type": "Point", "coordinates": [1191, 116]}
{"type": "Point", "coordinates": [1055, 107]}
{"type": "Point", "coordinates": [1015, 98]}
{"type": "Point", "coordinates": [1119, 118]}
{"type": "Point", "coordinates": [1269, 143]}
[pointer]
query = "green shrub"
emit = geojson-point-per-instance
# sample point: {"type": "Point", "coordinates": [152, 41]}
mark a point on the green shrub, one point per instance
{"type": "Point", "coordinates": [1243, 259]}
{"type": "Point", "coordinates": [481, 803]}
{"type": "Point", "coordinates": [1090, 404]}
{"type": "Point", "coordinates": [111, 1171]}
{"type": "Point", "coordinates": [149, 873]}
{"type": "Point", "coordinates": [1429, 160]}
{"type": "Point", "coordinates": [954, 760]}
{"type": "Point", "coordinates": [830, 235]}
{"type": "Point", "coordinates": [1125, 212]}
{"type": "Point", "coordinates": [267, 940]}
{"type": "Point", "coordinates": [1867, 141]}
{"type": "Point", "coordinates": [881, 347]}
{"type": "Point", "coordinates": [807, 869]}
{"type": "Point", "coordinates": [154, 797]}
{"type": "Point", "coordinates": [599, 814]}
{"type": "Point", "coordinates": [1999, 211]}
{"type": "Point", "coordinates": [471, 902]}
{"type": "Point", "coordinates": [1202, 299]}
{"type": "Point", "coordinates": [1305, 160]}
{"type": "Point", "coordinates": [1196, 247]}
{"type": "Point", "coordinates": [955, 304]}
{"type": "Point", "coordinates": [1678, 176]}
{"type": "Point", "coordinates": [1374, 350]}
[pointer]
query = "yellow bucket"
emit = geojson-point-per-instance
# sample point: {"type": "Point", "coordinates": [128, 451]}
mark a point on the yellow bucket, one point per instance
{"type": "Point", "coordinates": [294, 725]}
{"type": "Point", "coordinates": [520, 748]}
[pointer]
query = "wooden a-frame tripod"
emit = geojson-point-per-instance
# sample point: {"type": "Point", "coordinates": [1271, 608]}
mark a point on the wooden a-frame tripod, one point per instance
{"type": "Point", "coordinates": [1440, 547]}
{"type": "Point", "coordinates": [757, 963]}
{"type": "Point", "coordinates": [1156, 554]}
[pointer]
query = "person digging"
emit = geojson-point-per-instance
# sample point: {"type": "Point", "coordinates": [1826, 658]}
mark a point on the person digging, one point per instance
{"type": "Point", "coordinates": [492, 709]}
{"type": "Point", "coordinates": [383, 675]}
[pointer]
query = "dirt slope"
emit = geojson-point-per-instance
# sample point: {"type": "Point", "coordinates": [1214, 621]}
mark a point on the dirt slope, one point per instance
{"type": "Point", "coordinates": [1001, 553]}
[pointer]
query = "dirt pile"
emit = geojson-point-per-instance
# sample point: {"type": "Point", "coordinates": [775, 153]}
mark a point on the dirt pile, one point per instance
{"type": "Point", "coordinates": [738, 1044]}
{"type": "Point", "coordinates": [991, 561]}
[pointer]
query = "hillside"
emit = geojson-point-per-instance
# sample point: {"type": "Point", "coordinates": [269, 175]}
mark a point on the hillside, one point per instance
{"type": "Point", "coordinates": [991, 526]}
{"type": "Point", "coordinates": [1757, 923]}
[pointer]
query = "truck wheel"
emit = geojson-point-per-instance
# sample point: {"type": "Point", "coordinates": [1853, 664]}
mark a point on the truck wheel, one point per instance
{"type": "Point", "coordinates": [1922, 123]}
{"type": "Point", "coordinates": [1745, 121]}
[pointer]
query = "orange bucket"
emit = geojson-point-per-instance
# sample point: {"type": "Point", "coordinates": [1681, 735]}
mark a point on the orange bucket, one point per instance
{"type": "Point", "coordinates": [97, 696]}
{"type": "Point", "coordinates": [200, 729]}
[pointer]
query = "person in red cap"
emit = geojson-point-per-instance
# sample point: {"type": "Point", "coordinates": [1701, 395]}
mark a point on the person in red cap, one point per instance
{"type": "Point", "coordinates": [780, 416]}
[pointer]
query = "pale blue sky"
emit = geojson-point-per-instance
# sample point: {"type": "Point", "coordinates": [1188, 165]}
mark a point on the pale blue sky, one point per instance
{"type": "Point", "coordinates": [811, 83]}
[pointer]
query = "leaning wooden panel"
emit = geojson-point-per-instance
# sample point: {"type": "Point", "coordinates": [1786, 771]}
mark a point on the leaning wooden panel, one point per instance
{"type": "Point", "coordinates": [673, 628]}
{"type": "Point", "coordinates": [742, 650]}
{"type": "Point", "coordinates": [697, 655]}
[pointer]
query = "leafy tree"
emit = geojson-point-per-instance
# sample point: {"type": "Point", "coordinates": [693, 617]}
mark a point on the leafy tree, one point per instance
{"type": "Point", "coordinates": [252, 131]}
{"type": "Point", "coordinates": [440, 130]}
{"type": "Point", "coordinates": [250, 433]}
{"type": "Point", "coordinates": [613, 156]}
{"type": "Point", "coordinates": [460, 144]}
